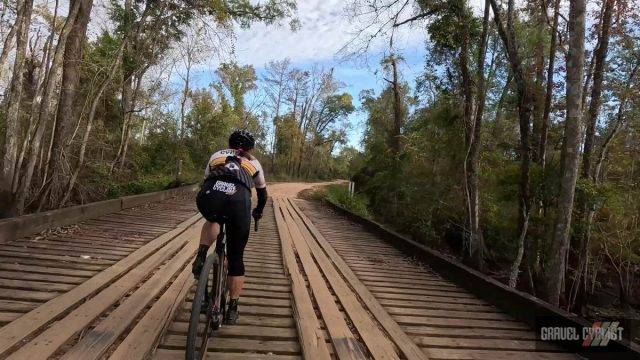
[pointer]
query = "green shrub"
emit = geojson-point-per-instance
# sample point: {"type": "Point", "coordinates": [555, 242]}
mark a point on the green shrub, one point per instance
{"type": "Point", "coordinates": [339, 194]}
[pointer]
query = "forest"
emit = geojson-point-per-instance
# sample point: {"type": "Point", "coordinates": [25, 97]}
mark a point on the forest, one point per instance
{"type": "Point", "coordinates": [516, 148]}
{"type": "Point", "coordinates": [86, 118]}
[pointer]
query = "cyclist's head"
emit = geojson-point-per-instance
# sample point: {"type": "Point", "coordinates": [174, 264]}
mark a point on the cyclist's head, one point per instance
{"type": "Point", "coordinates": [241, 140]}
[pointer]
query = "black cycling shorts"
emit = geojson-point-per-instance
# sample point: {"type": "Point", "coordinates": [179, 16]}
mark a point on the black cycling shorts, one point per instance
{"type": "Point", "coordinates": [228, 203]}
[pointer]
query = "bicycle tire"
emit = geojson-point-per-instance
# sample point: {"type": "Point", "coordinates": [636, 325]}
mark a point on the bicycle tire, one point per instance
{"type": "Point", "coordinates": [206, 284]}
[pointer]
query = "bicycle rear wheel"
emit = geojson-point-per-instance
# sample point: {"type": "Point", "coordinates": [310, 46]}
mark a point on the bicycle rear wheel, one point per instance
{"type": "Point", "coordinates": [200, 323]}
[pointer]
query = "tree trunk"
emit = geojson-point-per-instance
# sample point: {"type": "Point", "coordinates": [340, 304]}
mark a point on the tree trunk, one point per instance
{"type": "Point", "coordinates": [68, 116]}
{"type": "Point", "coordinates": [474, 143]}
{"type": "Point", "coordinates": [539, 86]}
{"type": "Point", "coordinates": [13, 123]}
{"type": "Point", "coordinates": [90, 119]}
{"type": "Point", "coordinates": [544, 127]}
{"type": "Point", "coordinates": [398, 112]}
{"type": "Point", "coordinates": [526, 102]}
{"type": "Point", "coordinates": [588, 210]}
{"type": "Point", "coordinates": [40, 78]}
{"type": "Point", "coordinates": [600, 57]}
{"type": "Point", "coordinates": [6, 46]}
{"type": "Point", "coordinates": [185, 96]}
{"type": "Point", "coordinates": [127, 134]}
{"type": "Point", "coordinates": [570, 152]}
{"type": "Point", "coordinates": [47, 104]}
{"type": "Point", "coordinates": [127, 81]}
{"type": "Point", "coordinates": [604, 148]}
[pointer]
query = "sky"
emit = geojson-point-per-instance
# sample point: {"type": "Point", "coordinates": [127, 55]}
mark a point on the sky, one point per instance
{"type": "Point", "coordinates": [324, 31]}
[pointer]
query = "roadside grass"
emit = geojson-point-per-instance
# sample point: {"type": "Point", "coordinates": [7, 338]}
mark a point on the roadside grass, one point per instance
{"type": "Point", "coordinates": [339, 194]}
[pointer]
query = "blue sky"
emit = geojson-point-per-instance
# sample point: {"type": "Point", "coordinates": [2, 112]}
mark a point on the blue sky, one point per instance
{"type": "Point", "coordinates": [325, 29]}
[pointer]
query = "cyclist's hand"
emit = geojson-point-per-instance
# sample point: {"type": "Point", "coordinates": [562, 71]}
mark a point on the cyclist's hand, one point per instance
{"type": "Point", "coordinates": [257, 214]}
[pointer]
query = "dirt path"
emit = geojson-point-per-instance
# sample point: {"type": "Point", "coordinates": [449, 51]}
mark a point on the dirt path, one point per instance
{"type": "Point", "coordinates": [292, 189]}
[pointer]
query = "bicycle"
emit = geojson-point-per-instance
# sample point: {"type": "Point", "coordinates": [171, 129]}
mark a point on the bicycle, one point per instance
{"type": "Point", "coordinates": [210, 299]}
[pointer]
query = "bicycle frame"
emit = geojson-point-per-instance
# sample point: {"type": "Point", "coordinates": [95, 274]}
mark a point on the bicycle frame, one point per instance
{"type": "Point", "coordinates": [217, 305]}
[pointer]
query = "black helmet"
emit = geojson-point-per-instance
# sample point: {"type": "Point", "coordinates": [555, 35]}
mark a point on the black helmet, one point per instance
{"type": "Point", "coordinates": [241, 139]}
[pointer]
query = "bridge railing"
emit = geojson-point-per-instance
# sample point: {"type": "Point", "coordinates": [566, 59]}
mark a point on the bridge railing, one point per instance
{"type": "Point", "coordinates": [13, 228]}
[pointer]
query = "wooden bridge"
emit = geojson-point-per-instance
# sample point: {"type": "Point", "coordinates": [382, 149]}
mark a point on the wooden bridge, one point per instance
{"type": "Point", "coordinates": [319, 286]}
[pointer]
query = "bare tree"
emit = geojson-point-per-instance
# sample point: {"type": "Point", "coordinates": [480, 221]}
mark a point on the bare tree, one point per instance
{"type": "Point", "coordinates": [277, 81]}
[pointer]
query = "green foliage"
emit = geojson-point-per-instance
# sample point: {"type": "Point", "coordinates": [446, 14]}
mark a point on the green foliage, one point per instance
{"type": "Point", "coordinates": [339, 194]}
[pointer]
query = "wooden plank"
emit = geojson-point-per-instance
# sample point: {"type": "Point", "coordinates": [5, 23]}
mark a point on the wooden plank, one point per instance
{"type": "Point", "coordinates": [252, 320]}
{"type": "Point", "coordinates": [239, 345]}
{"type": "Point", "coordinates": [29, 295]}
{"type": "Point", "coordinates": [483, 344]}
{"type": "Point", "coordinates": [456, 354]}
{"type": "Point", "coordinates": [96, 341]}
{"type": "Point", "coordinates": [247, 300]}
{"type": "Point", "coordinates": [266, 310]}
{"type": "Point", "coordinates": [34, 285]}
{"type": "Point", "coordinates": [441, 299]}
{"type": "Point", "coordinates": [434, 304]}
{"type": "Point", "coordinates": [311, 337]}
{"type": "Point", "coordinates": [440, 286]}
{"type": "Point", "coordinates": [375, 340]}
{"type": "Point", "coordinates": [481, 324]}
{"type": "Point", "coordinates": [156, 226]}
{"type": "Point", "coordinates": [8, 316]}
{"type": "Point", "coordinates": [249, 332]}
{"type": "Point", "coordinates": [46, 270]}
{"type": "Point", "coordinates": [48, 342]}
{"type": "Point", "coordinates": [167, 354]}
{"type": "Point", "coordinates": [417, 291]}
{"type": "Point", "coordinates": [141, 340]}
{"type": "Point", "coordinates": [52, 245]}
{"type": "Point", "coordinates": [51, 263]}
{"type": "Point", "coordinates": [265, 294]}
{"type": "Point", "coordinates": [451, 314]}
{"type": "Point", "coordinates": [12, 334]}
{"type": "Point", "coordinates": [17, 306]}
{"type": "Point", "coordinates": [344, 341]}
{"type": "Point", "coordinates": [60, 279]}
{"type": "Point", "coordinates": [470, 333]}
{"type": "Point", "coordinates": [399, 337]}
{"type": "Point", "coordinates": [272, 288]}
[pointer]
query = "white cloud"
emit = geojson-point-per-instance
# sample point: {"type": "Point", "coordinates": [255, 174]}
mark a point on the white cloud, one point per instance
{"type": "Point", "coordinates": [325, 30]}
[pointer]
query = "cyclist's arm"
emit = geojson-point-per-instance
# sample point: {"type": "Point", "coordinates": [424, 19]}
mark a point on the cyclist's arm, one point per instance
{"type": "Point", "coordinates": [262, 198]}
{"type": "Point", "coordinates": [261, 186]}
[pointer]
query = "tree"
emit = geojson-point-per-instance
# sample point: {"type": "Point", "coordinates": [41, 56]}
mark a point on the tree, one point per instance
{"type": "Point", "coordinates": [525, 101]}
{"type": "Point", "coordinates": [66, 118]}
{"type": "Point", "coordinates": [276, 79]}
{"type": "Point", "coordinates": [555, 271]}
{"type": "Point", "coordinates": [13, 121]}
{"type": "Point", "coordinates": [237, 81]}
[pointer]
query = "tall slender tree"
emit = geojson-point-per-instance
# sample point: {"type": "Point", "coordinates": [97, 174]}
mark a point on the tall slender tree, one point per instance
{"type": "Point", "coordinates": [556, 269]}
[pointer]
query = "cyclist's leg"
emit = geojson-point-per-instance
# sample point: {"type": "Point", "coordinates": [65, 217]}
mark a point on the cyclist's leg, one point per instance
{"type": "Point", "coordinates": [209, 233]}
{"type": "Point", "coordinates": [211, 206]}
{"type": "Point", "coordinates": [238, 228]}
{"type": "Point", "coordinates": [237, 236]}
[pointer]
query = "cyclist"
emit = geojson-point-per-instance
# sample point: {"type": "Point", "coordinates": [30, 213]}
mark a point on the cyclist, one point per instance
{"type": "Point", "coordinates": [225, 198]}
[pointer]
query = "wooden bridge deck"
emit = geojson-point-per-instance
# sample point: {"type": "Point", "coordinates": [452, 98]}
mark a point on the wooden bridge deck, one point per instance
{"type": "Point", "coordinates": [318, 286]}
